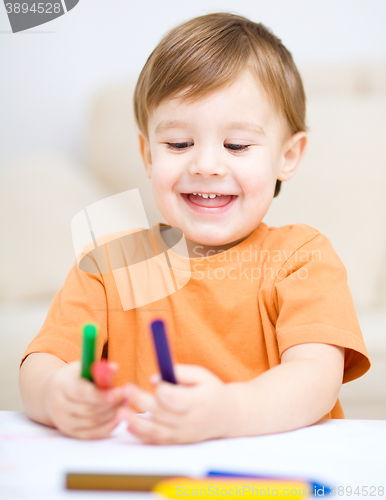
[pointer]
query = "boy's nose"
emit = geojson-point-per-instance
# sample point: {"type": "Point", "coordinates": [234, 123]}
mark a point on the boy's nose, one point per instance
{"type": "Point", "coordinates": [207, 165]}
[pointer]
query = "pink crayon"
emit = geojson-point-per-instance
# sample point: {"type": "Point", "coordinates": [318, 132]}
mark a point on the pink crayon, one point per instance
{"type": "Point", "coordinates": [102, 374]}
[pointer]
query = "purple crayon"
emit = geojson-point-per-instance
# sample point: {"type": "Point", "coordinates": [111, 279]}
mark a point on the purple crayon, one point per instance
{"type": "Point", "coordinates": [163, 353]}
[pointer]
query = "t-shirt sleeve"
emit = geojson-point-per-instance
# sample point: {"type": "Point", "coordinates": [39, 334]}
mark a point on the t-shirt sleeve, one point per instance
{"type": "Point", "coordinates": [314, 304]}
{"type": "Point", "coordinates": [82, 299]}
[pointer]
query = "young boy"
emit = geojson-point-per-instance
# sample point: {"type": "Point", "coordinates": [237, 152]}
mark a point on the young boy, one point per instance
{"type": "Point", "coordinates": [265, 331]}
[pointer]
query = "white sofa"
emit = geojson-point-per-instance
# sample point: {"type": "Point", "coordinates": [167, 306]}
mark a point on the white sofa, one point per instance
{"type": "Point", "coordinates": [338, 190]}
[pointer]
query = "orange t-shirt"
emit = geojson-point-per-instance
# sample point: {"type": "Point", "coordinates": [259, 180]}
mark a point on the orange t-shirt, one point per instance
{"type": "Point", "coordinates": [239, 311]}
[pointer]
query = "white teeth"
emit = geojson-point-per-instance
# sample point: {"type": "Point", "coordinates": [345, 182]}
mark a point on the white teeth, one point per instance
{"type": "Point", "coordinates": [211, 195]}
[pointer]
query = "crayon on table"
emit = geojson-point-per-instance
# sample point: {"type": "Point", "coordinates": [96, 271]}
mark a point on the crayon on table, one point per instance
{"type": "Point", "coordinates": [111, 482]}
{"type": "Point", "coordinates": [177, 488]}
{"type": "Point", "coordinates": [313, 485]}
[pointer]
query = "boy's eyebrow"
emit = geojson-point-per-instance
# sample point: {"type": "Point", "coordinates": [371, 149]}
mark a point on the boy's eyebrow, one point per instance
{"type": "Point", "coordinates": [246, 126]}
{"type": "Point", "coordinates": [167, 124]}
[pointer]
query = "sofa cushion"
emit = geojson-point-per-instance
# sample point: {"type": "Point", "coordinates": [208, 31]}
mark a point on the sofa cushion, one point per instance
{"type": "Point", "coordinates": [39, 195]}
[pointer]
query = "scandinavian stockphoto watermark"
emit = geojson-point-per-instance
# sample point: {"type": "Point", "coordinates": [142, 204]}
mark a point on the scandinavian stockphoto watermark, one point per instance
{"type": "Point", "coordinates": [113, 236]}
{"type": "Point", "coordinates": [253, 263]}
{"type": "Point", "coordinates": [28, 14]}
{"type": "Point", "coordinates": [251, 274]}
{"type": "Point", "coordinates": [255, 254]}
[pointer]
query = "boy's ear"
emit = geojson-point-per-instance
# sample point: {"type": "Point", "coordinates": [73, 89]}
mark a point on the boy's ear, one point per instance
{"type": "Point", "coordinates": [294, 151]}
{"type": "Point", "coordinates": [144, 149]}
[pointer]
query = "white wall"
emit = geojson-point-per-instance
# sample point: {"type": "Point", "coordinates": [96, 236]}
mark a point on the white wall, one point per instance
{"type": "Point", "coordinates": [50, 72]}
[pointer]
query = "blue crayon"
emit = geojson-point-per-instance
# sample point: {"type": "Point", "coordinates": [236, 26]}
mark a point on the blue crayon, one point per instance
{"type": "Point", "coordinates": [316, 487]}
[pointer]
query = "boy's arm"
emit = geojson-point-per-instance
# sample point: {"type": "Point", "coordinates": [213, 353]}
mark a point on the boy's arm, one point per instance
{"type": "Point", "coordinates": [294, 394]}
{"type": "Point", "coordinates": [33, 377]}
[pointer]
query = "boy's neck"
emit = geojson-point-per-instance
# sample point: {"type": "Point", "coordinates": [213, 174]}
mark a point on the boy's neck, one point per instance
{"type": "Point", "coordinates": [197, 250]}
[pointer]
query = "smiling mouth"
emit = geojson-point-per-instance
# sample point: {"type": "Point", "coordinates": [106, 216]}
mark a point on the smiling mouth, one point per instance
{"type": "Point", "coordinates": [209, 200]}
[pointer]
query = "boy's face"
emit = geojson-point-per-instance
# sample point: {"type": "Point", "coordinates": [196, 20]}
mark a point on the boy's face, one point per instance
{"type": "Point", "coordinates": [232, 143]}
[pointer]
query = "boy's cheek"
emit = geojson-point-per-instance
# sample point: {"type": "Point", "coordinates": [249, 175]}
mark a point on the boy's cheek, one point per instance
{"type": "Point", "coordinates": [162, 183]}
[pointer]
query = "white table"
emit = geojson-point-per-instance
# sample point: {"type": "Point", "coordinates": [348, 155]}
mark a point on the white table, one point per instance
{"type": "Point", "coordinates": [34, 459]}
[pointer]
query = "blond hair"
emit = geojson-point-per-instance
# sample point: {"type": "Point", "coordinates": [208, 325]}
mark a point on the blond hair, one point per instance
{"type": "Point", "coordinates": [208, 53]}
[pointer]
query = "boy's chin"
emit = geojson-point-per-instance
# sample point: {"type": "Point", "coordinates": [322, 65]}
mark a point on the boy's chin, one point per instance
{"type": "Point", "coordinates": [209, 240]}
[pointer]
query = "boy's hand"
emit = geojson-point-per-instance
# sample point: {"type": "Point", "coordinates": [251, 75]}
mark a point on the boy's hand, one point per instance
{"type": "Point", "coordinates": [78, 408]}
{"type": "Point", "coordinates": [197, 408]}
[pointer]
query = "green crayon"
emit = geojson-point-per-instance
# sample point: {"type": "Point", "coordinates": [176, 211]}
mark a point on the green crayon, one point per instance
{"type": "Point", "coordinates": [88, 354]}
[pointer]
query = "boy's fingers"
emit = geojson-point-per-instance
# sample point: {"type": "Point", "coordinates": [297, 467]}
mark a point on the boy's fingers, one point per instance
{"type": "Point", "coordinates": [174, 398]}
{"type": "Point", "coordinates": [161, 416]}
{"type": "Point", "coordinates": [101, 397]}
{"type": "Point", "coordinates": [92, 413]}
{"type": "Point", "coordinates": [190, 374]}
{"type": "Point", "coordinates": [114, 366]}
{"type": "Point", "coordinates": [94, 400]}
{"type": "Point", "coordinates": [87, 392]}
{"type": "Point", "coordinates": [77, 416]}
{"type": "Point", "coordinates": [82, 422]}
{"type": "Point", "coordinates": [142, 400]}
{"type": "Point", "coordinates": [149, 431]}
{"type": "Point", "coordinates": [76, 366]}
{"type": "Point", "coordinates": [111, 398]}
{"type": "Point", "coordinates": [117, 395]}
{"type": "Point", "coordinates": [148, 403]}
{"type": "Point", "coordinates": [155, 379]}
{"type": "Point", "coordinates": [99, 431]}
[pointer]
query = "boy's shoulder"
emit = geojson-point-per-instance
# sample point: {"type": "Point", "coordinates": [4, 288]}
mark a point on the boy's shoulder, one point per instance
{"type": "Point", "coordinates": [290, 236]}
{"type": "Point", "coordinates": [295, 242]}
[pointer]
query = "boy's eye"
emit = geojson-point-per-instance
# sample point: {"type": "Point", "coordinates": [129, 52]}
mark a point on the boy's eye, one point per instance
{"type": "Point", "coordinates": [183, 145]}
{"type": "Point", "coordinates": [237, 147]}
{"type": "Point", "coordinates": [178, 145]}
